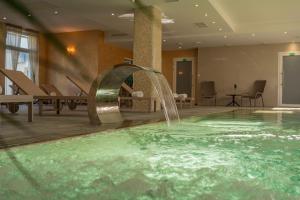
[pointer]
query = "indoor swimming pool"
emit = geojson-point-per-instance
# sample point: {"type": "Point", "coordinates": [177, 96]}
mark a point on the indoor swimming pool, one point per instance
{"type": "Point", "coordinates": [235, 155]}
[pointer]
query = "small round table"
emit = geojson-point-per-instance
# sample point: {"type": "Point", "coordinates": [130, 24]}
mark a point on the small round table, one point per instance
{"type": "Point", "coordinates": [233, 101]}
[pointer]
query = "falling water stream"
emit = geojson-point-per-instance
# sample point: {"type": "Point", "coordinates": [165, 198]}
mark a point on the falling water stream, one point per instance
{"type": "Point", "coordinates": [165, 95]}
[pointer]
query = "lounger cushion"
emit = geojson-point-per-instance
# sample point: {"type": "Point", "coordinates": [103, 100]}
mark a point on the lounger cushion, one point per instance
{"type": "Point", "coordinates": [137, 94]}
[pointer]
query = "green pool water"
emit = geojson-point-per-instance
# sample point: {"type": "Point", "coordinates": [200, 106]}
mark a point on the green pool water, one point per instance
{"type": "Point", "coordinates": [236, 155]}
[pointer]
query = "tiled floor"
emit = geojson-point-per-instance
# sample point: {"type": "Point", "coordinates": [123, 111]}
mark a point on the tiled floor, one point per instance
{"type": "Point", "coordinates": [15, 130]}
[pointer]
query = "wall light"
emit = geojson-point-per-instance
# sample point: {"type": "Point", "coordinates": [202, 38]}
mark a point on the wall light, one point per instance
{"type": "Point", "coordinates": [71, 50]}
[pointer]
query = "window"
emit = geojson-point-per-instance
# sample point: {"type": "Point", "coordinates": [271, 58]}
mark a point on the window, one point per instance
{"type": "Point", "coordinates": [20, 54]}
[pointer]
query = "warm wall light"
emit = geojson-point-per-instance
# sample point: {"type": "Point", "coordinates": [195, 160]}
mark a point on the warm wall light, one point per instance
{"type": "Point", "coordinates": [71, 50]}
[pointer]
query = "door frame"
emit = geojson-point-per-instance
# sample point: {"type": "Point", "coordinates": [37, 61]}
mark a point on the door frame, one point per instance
{"type": "Point", "coordinates": [192, 59]}
{"type": "Point", "coordinates": [280, 77]}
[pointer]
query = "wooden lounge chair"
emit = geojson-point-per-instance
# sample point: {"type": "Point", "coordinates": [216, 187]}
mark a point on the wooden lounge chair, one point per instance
{"type": "Point", "coordinates": [256, 93]}
{"type": "Point", "coordinates": [51, 90]}
{"type": "Point", "coordinates": [150, 101]}
{"type": "Point", "coordinates": [12, 100]}
{"type": "Point", "coordinates": [208, 91]}
{"type": "Point", "coordinates": [54, 91]}
{"type": "Point", "coordinates": [29, 88]}
{"type": "Point", "coordinates": [83, 90]}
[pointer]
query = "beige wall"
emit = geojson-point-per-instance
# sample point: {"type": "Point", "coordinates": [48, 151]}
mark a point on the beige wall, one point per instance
{"type": "Point", "coordinates": [42, 46]}
{"type": "Point", "coordinates": [94, 55]}
{"type": "Point", "coordinates": [242, 65]}
{"type": "Point", "coordinates": [111, 55]}
{"type": "Point", "coordinates": [86, 45]}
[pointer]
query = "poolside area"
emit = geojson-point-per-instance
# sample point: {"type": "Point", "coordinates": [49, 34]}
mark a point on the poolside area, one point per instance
{"type": "Point", "coordinates": [74, 123]}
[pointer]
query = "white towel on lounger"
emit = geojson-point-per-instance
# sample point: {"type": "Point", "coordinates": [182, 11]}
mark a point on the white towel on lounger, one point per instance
{"type": "Point", "coordinates": [182, 96]}
{"type": "Point", "coordinates": [137, 94]}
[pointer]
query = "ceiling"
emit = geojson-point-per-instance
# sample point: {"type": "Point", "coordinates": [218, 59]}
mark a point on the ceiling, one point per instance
{"type": "Point", "coordinates": [229, 22]}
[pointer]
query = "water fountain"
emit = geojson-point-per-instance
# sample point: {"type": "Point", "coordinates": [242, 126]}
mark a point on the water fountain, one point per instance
{"type": "Point", "coordinates": [103, 101]}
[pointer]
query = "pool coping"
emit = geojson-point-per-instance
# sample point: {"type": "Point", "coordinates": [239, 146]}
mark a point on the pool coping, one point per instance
{"type": "Point", "coordinates": [125, 124]}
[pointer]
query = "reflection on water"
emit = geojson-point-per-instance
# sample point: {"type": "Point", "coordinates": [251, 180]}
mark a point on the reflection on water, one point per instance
{"type": "Point", "coordinates": [236, 155]}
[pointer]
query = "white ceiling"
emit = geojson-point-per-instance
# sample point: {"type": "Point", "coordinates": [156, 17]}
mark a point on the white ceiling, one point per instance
{"type": "Point", "coordinates": [242, 21]}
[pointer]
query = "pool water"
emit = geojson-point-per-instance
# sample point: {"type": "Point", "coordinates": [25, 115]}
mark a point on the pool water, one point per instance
{"type": "Point", "coordinates": [230, 156]}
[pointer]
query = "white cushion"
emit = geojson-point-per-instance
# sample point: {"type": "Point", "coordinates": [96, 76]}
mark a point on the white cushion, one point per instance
{"type": "Point", "coordinates": [53, 94]}
{"type": "Point", "coordinates": [137, 94]}
{"type": "Point", "coordinates": [182, 96]}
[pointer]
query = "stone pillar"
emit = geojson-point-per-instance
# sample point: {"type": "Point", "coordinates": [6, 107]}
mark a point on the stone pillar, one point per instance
{"type": "Point", "coordinates": [147, 50]}
{"type": "Point", "coordinates": [2, 51]}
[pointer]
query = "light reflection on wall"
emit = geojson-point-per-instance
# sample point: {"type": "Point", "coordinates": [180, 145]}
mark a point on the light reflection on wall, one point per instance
{"type": "Point", "coordinates": [293, 47]}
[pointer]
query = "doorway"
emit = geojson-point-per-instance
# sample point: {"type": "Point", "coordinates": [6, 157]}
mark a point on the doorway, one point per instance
{"type": "Point", "coordinates": [289, 81]}
{"type": "Point", "coordinates": [183, 79]}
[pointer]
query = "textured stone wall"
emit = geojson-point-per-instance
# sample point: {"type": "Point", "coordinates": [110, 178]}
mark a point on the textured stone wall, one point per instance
{"type": "Point", "coordinates": [146, 50]}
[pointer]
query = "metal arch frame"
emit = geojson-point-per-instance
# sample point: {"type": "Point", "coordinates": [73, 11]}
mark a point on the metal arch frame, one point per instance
{"type": "Point", "coordinates": [103, 102]}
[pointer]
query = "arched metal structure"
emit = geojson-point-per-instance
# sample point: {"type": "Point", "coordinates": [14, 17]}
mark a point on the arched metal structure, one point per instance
{"type": "Point", "coordinates": [103, 103]}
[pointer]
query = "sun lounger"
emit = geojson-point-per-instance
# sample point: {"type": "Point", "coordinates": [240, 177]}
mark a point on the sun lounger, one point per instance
{"type": "Point", "coordinates": [29, 88]}
{"type": "Point", "coordinates": [83, 90]}
{"type": "Point", "coordinates": [54, 91]}
{"type": "Point", "coordinates": [51, 90]}
{"type": "Point", "coordinates": [19, 99]}
{"type": "Point", "coordinates": [151, 101]}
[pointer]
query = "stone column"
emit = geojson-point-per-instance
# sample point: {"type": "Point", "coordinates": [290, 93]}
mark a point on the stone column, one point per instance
{"type": "Point", "coordinates": [147, 50]}
{"type": "Point", "coordinates": [2, 51]}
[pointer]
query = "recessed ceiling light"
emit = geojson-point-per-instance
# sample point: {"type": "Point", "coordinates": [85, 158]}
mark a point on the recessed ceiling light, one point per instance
{"type": "Point", "coordinates": [285, 32]}
{"type": "Point", "coordinates": [205, 14]}
{"type": "Point", "coordinates": [112, 14]}
{"type": "Point", "coordinates": [253, 34]}
{"type": "Point", "coordinates": [220, 29]}
{"type": "Point", "coordinates": [55, 12]}
{"type": "Point", "coordinates": [127, 16]}
{"type": "Point", "coordinates": [4, 18]}
{"type": "Point", "coordinates": [164, 40]}
{"type": "Point", "coordinates": [213, 22]}
{"type": "Point", "coordinates": [196, 5]}
{"type": "Point", "coordinates": [225, 36]}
